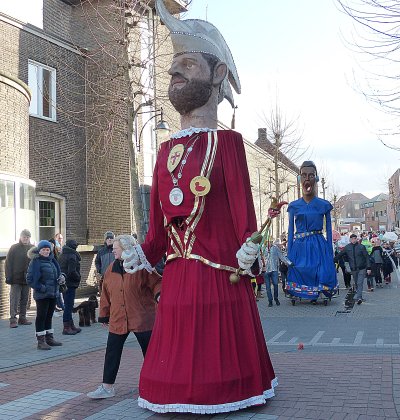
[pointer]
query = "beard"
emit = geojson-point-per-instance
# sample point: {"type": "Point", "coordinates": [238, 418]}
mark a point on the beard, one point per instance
{"type": "Point", "coordinates": [193, 95]}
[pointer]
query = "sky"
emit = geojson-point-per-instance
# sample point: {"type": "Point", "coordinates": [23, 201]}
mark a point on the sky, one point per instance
{"type": "Point", "coordinates": [294, 53]}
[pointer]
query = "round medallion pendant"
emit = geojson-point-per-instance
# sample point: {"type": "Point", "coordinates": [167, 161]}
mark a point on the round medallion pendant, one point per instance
{"type": "Point", "coordinates": [174, 157]}
{"type": "Point", "coordinates": [200, 185]}
{"type": "Point", "coordinates": [176, 196]}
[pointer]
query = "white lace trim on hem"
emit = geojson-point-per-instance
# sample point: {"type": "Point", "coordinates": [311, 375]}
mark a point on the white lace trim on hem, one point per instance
{"type": "Point", "coordinates": [210, 409]}
{"type": "Point", "coordinates": [191, 130]}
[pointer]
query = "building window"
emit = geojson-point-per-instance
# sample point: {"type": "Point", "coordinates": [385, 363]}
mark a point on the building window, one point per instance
{"type": "Point", "coordinates": [47, 219]}
{"type": "Point", "coordinates": [26, 197]}
{"type": "Point", "coordinates": [6, 194]}
{"type": "Point", "coordinates": [42, 82]}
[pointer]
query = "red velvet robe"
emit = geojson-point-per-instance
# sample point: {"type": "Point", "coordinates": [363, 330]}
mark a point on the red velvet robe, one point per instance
{"type": "Point", "coordinates": [207, 353]}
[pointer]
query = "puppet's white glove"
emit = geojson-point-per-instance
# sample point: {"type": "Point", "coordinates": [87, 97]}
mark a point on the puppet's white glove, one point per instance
{"type": "Point", "coordinates": [134, 259]}
{"type": "Point", "coordinates": [247, 254]}
{"type": "Point", "coordinates": [131, 260]}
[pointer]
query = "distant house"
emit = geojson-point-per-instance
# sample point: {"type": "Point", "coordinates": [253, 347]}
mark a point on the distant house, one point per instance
{"type": "Point", "coordinates": [375, 212]}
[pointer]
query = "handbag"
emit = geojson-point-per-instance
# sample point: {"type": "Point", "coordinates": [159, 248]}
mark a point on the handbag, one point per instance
{"type": "Point", "coordinates": [347, 267]}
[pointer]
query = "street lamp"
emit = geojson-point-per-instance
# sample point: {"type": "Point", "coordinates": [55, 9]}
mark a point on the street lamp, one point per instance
{"type": "Point", "coordinates": [162, 128]}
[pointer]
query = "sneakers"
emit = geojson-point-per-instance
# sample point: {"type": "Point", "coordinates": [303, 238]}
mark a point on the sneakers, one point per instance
{"type": "Point", "coordinates": [270, 304]}
{"type": "Point", "coordinates": [277, 302]}
{"type": "Point", "coordinates": [102, 392]}
{"type": "Point", "coordinates": [359, 301]}
{"type": "Point", "coordinates": [13, 324]}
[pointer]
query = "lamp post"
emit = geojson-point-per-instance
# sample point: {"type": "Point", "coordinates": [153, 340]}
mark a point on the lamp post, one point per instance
{"type": "Point", "coordinates": [162, 128]}
{"type": "Point", "coordinates": [324, 187]}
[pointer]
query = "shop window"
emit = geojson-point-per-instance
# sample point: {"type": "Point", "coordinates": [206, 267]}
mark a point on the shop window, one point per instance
{"type": "Point", "coordinates": [42, 82]}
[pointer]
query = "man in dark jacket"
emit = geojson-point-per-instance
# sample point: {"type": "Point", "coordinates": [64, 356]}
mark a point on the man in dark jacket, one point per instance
{"type": "Point", "coordinates": [104, 257]}
{"type": "Point", "coordinates": [70, 265]}
{"type": "Point", "coordinates": [359, 262]}
{"type": "Point", "coordinates": [16, 267]}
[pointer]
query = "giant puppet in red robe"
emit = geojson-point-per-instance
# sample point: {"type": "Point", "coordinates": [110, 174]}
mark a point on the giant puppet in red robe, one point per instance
{"type": "Point", "coordinates": [207, 353]}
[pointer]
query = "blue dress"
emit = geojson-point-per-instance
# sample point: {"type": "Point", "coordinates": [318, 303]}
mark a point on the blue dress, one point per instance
{"type": "Point", "coordinates": [314, 270]}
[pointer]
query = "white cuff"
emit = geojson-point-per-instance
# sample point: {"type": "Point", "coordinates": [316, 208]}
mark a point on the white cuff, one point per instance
{"type": "Point", "coordinates": [144, 263]}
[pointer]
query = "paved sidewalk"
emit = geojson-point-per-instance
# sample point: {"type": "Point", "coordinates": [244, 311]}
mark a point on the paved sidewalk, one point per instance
{"type": "Point", "coordinates": [349, 368]}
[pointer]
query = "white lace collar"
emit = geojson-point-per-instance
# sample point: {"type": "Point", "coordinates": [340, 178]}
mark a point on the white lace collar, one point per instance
{"type": "Point", "coordinates": [191, 130]}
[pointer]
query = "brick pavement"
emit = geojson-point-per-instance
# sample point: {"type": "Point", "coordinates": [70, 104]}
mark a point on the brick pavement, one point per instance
{"type": "Point", "coordinates": [323, 381]}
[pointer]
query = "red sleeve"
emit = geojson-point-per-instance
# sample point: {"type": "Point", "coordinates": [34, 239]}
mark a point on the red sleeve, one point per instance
{"type": "Point", "coordinates": [237, 181]}
{"type": "Point", "coordinates": [155, 244]}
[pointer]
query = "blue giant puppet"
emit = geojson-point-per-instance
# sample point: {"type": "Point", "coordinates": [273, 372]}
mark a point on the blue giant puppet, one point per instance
{"type": "Point", "coordinates": [314, 272]}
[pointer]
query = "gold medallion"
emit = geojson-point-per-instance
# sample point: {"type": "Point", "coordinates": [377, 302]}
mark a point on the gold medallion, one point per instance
{"type": "Point", "coordinates": [200, 186]}
{"type": "Point", "coordinates": [175, 156]}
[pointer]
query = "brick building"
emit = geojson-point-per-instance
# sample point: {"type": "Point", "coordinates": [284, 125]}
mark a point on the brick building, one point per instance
{"type": "Point", "coordinates": [375, 212]}
{"type": "Point", "coordinates": [65, 124]}
{"type": "Point", "coordinates": [394, 200]}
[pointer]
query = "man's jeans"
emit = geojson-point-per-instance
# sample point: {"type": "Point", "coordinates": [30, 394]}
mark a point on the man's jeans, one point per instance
{"type": "Point", "coordinates": [358, 277]}
{"type": "Point", "coordinates": [19, 296]}
{"type": "Point", "coordinates": [69, 299]}
{"type": "Point", "coordinates": [271, 277]}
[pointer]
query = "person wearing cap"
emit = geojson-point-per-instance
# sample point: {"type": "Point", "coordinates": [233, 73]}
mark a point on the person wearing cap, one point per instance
{"type": "Point", "coordinates": [70, 264]}
{"type": "Point", "coordinates": [16, 266]}
{"type": "Point", "coordinates": [44, 276]}
{"type": "Point", "coordinates": [314, 273]}
{"type": "Point", "coordinates": [104, 257]}
{"type": "Point", "coordinates": [201, 214]}
{"type": "Point", "coordinates": [359, 264]}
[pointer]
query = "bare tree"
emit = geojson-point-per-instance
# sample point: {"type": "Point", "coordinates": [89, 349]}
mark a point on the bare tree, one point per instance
{"type": "Point", "coordinates": [333, 198]}
{"type": "Point", "coordinates": [285, 136]}
{"type": "Point", "coordinates": [125, 66]}
{"type": "Point", "coordinates": [377, 36]}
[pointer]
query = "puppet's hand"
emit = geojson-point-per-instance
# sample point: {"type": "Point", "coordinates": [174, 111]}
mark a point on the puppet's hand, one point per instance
{"type": "Point", "coordinates": [247, 254]}
{"type": "Point", "coordinates": [131, 260]}
{"type": "Point", "coordinates": [135, 260]}
{"type": "Point", "coordinates": [275, 209]}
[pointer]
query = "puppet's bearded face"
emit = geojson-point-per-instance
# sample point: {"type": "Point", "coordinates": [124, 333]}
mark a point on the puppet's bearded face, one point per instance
{"type": "Point", "coordinates": [191, 82]}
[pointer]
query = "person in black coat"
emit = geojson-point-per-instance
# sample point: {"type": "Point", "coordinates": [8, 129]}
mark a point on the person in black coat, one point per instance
{"type": "Point", "coordinates": [16, 267]}
{"type": "Point", "coordinates": [359, 264]}
{"type": "Point", "coordinates": [70, 264]}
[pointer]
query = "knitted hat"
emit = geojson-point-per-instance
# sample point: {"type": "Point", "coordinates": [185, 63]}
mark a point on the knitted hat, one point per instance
{"type": "Point", "coordinates": [43, 244]}
{"type": "Point", "coordinates": [71, 243]}
{"type": "Point", "coordinates": [25, 232]}
{"type": "Point", "coordinates": [109, 235]}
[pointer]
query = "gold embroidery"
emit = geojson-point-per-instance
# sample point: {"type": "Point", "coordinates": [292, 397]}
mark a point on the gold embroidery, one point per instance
{"type": "Point", "coordinates": [194, 219]}
{"type": "Point", "coordinates": [177, 247]}
{"type": "Point", "coordinates": [184, 250]}
{"type": "Point", "coordinates": [204, 261]}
